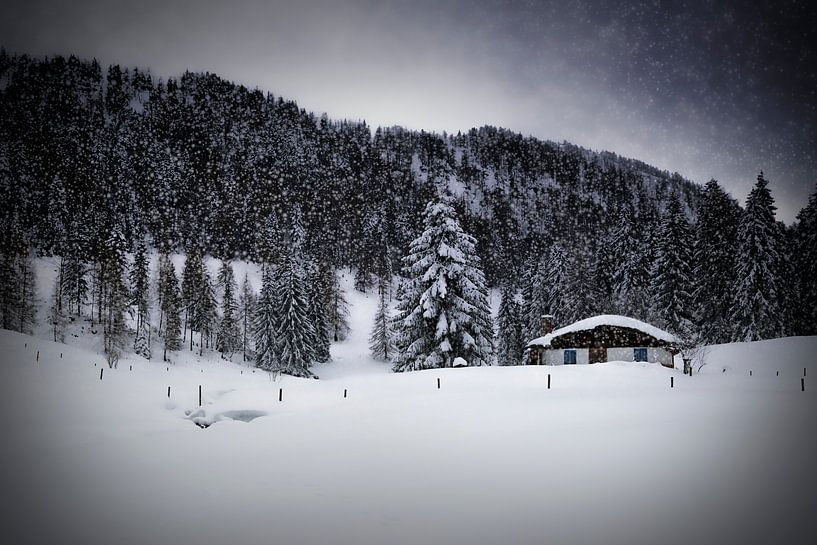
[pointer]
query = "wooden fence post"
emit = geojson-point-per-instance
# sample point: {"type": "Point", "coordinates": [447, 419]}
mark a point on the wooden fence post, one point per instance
{"type": "Point", "coordinates": [280, 394]}
{"type": "Point", "coordinates": [672, 382]}
{"type": "Point", "coordinates": [199, 395]}
{"type": "Point", "coordinates": [438, 383]}
{"type": "Point", "coordinates": [168, 392]}
{"type": "Point", "coordinates": [548, 381]}
{"type": "Point", "coordinates": [101, 370]}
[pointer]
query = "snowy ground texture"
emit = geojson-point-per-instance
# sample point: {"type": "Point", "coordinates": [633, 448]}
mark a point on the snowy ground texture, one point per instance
{"type": "Point", "coordinates": [610, 454]}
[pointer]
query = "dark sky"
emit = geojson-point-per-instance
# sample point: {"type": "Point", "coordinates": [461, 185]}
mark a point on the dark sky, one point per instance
{"type": "Point", "coordinates": [708, 89]}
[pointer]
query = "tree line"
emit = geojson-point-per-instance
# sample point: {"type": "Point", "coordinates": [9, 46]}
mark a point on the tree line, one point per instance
{"type": "Point", "coordinates": [98, 163]}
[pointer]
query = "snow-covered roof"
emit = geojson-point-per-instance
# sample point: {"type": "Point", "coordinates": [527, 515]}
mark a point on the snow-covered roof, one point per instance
{"type": "Point", "coordinates": [605, 320]}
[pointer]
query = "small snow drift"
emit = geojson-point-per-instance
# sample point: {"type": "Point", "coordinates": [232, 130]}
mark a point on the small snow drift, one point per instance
{"type": "Point", "coordinates": [202, 419]}
{"type": "Point", "coordinates": [608, 337]}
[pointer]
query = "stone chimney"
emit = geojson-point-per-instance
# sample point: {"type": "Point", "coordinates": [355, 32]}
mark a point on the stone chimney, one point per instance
{"type": "Point", "coordinates": [547, 324]}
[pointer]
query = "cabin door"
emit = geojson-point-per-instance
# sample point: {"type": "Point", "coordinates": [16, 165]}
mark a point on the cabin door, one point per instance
{"type": "Point", "coordinates": [598, 355]}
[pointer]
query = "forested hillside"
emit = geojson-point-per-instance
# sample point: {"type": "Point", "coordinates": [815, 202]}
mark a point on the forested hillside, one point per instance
{"type": "Point", "coordinates": [198, 164]}
{"type": "Point", "coordinates": [201, 162]}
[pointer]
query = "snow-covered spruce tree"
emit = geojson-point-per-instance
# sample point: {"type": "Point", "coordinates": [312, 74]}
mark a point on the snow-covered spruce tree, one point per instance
{"type": "Point", "coordinates": [604, 271]}
{"type": "Point", "coordinates": [56, 316]}
{"type": "Point", "coordinates": [246, 310]}
{"type": "Point", "coordinates": [574, 291]}
{"type": "Point", "coordinates": [622, 243]}
{"type": "Point", "coordinates": [294, 332]}
{"type": "Point", "coordinates": [672, 271]}
{"type": "Point", "coordinates": [363, 279]}
{"type": "Point", "coordinates": [536, 298]}
{"type": "Point", "coordinates": [714, 256]}
{"type": "Point", "coordinates": [9, 292]}
{"type": "Point", "coordinates": [139, 285]}
{"type": "Point", "coordinates": [192, 275]}
{"type": "Point", "coordinates": [164, 284]}
{"type": "Point", "coordinates": [318, 313]}
{"type": "Point", "coordinates": [554, 285]}
{"type": "Point", "coordinates": [510, 335]}
{"type": "Point", "coordinates": [75, 283]}
{"type": "Point", "coordinates": [804, 317]}
{"type": "Point", "coordinates": [170, 304]}
{"type": "Point", "coordinates": [228, 338]}
{"type": "Point", "coordinates": [381, 340]}
{"type": "Point", "coordinates": [114, 297]}
{"type": "Point", "coordinates": [11, 248]}
{"type": "Point", "coordinates": [204, 318]}
{"type": "Point", "coordinates": [338, 306]}
{"type": "Point", "coordinates": [444, 312]}
{"type": "Point", "coordinates": [264, 322]}
{"type": "Point", "coordinates": [639, 258]}
{"type": "Point", "coordinates": [27, 302]}
{"type": "Point", "coordinates": [756, 309]}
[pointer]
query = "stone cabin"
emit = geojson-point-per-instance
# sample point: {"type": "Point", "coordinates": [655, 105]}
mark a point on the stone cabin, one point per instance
{"type": "Point", "coordinates": [607, 337]}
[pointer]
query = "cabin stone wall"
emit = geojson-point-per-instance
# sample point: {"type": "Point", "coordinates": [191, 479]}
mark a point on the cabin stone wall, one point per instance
{"type": "Point", "coordinates": [654, 355]}
{"type": "Point", "coordinates": [555, 356]}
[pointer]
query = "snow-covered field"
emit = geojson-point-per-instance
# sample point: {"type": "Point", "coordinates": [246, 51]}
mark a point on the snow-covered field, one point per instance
{"type": "Point", "coordinates": [609, 454]}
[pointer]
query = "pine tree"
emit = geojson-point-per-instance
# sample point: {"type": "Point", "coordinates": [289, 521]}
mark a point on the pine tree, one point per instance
{"type": "Point", "coordinates": [56, 316]}
{"type": "Point", "coordinates": [295, 334]}
{"type": "Point", "coordinates": [363, 279]}
{"type": "Point", "coordinates": [639, 257]}
{"type": "Point", "coordinates": [537, 298]}
{"type": "Point", "coordinates": [170, 304]}
{"type": "Point", "coordinates": [714, 257]}
{"type": "Point", "coordinates": [756, 309]}
{"type": "Point", "coordinates": [192, 290]}
{"type": "Point", "coordinates": [228, 339]}
{"type": "Point", "coordinates": [139, 284]}
{"type": "Point", "coordinates": [573, 289]}
{"type": "Point", "coordinates": [338, 306]}
{"type": "Point", "coordinates": [804, 317]}
{"type": "Point", "coordinates": [622, 244]}
{"type": "Point", "coordinates": [9, 290]}
{"type": "Point", "coordinates": [165, 286]}
{"type": "Point", "coordinates": [510, 335]}
{"type": "Point", "coordinates": [444, 313]}
{"type": "Point", "coordinates": [246, 310]}
{"type": "Point", "coordinates": [672, 284]}
{"type": "Point", "coordinates": [114, 297]}
{"type": "Point", "coordinates": [318, 314]}
{"type": "Point", "coordinates": [381, 340]}
{"type": "Point", "coordinates": [554, 286]}
{"type": "Point", "coordinates": [264, 326]}
{"type": "Point", "coordinates": [27, 306]}
{"type": "Point", "coordinates": [204, 316]}
{"type": "Point", "coordinates": [75, 284]}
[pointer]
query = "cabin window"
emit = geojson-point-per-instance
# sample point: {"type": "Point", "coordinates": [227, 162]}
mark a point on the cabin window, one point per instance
{"type": "Point", "coordinates": [639, 354]}
{"type": "Point", "coordinates": [570, 357]}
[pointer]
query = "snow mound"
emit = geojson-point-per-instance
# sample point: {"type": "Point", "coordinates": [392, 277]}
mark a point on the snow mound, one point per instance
{"type": "Point", "coordinates": [202, 419]}
{"type": "Point", "coordinates": [605, 320]}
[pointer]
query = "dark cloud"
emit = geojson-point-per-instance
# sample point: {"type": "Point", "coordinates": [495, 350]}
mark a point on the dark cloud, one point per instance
{"type": "Point", "coordinates": [709, 89]}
